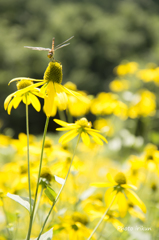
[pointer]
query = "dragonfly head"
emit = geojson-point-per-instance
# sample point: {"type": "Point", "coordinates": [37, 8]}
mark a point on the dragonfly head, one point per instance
{"type": "Point", "coordinates": [50, 54]}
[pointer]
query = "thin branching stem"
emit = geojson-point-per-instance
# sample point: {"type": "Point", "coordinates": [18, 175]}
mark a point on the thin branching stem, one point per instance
{"type": "Point", "coordinates": [28, 160]}
{"type": "Point", "coordinates": [37, 186]}
{"type": "Point", "coordinates": [102, 218]}
{"type": "Point", "coordinates": [60, 189]}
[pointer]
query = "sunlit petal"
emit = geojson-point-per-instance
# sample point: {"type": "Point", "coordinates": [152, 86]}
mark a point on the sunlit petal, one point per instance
{"type": "Point", "coordinates": [128, 186]}
{"type": "Point", "coordinates": [16, 101]}
{"type": "Point", "coordinates": [122, 203]}
{"type": "Point", "coordinates": [135, 199]}
{"type": "Point", "coordinates": [35, 102]}
{"type": "Point", "coordinates": [85, 138]}
{"type": "Point", "coordinates": [68, 136]}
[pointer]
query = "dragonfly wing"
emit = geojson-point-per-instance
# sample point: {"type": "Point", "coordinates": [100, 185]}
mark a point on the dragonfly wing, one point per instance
{"type": "Point", "coordinates": [64, 42]}
{"type": "Point", "coordinates": [38, 48]}
{"type": "Point", "coordinates": [64, 45]}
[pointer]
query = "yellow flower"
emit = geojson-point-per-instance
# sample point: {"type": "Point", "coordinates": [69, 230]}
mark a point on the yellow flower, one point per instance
{"type": "Point", "coordinates": [75, 225]}
{"type": "Point", "coordinates": [51, 89]}
{"type": "Point", "coordinates": [78, 107]}
{"type": "Point", "coordinates": [26, 92]}
{"type": "Point", "coordinates": [94, 207]}
{"type": "Point", "coordinates": [119, 188]}
{"type": "Point", "coordinates": [127, 68]}
{"type": "Point", "coordinates": [143, 104]}
{"type": "Point", "coordinates": [82, 127]}
{"type": "Point", "coordinates": [119, 85]}
{"type": "Point", "coordinates": [104, 125]}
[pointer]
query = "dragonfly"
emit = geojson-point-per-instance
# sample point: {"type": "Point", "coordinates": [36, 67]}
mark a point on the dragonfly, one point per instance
{"type": "Point", "coordinates": [53, 49]}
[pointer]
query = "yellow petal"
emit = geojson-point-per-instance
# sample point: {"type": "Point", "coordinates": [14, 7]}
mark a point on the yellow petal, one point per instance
{"type": "Point", "coordinates": [49, 99]}
{"type": "Point", "coordinates": [68, 136]}
{"type": "Point", "coordinates": [109, 195]}
{"type": "Point", "coordinates": [68, 91]}
{"type": "Point", "coordinates": [85, 138]}
{"type": "Point", "coordinates": [98, 140]}
{"type": "Point", "coordinates": [117, 224]}
{"type": "Point", "coordinates": [10, 107]}
{"type": "Point", "coordinates": [97, 135]}
{"type": "Point", "coordinates": [122, 203]}
{"type": "Point", "coordinates": [16, 101]}
{"type": "Point", "coordinates": [35, 102]}
{"type": "Point", "coordinates": [128, 186]}
{"type": "Point", "coordinates": [60, 122]}
{"type": "Point", "coordinates": [7, 100]}
{"type": "Point", "coordinates": [135, 199]}
{"type": "Point", "coordinates": [110, 178]}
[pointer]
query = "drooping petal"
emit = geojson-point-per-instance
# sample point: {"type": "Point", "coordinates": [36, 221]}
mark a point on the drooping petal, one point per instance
{"type": "Point", "coordinates": [25, 99]}
{"type": "Point", "coordinates": [68, 91]}
{"type": "Point", "coordinates": [10, 107]}
{"type": "Point", "coordinates": [16, 101]}
{"type": "Point", "coordinates": [135, 199]}
{"type": "Point", "coordinates": [68, 136]}
{"type": "Point", "coordinates": [128, 186]}
{"type": "Point", "coordinates": [49, 99]}
{"type": "Point", "coordinates": [96, 139]}
{"type": "Point", "coordinates": [35, 102]}
{"type": "Point", "coordinates": [97, 135]}
{"type": "Point", "coordinates": [92, 130]}
{"type": "Point", "coordinates": [24, 78]}
{"type": "Point", "coordinates": [117, 224]}
{"type": "Point", "coordinates": [7, 100]}
{"type": "Point", "coordinates": [85, 138]}
{"type": "Point", "coordinates": [60, 122]}
{"type": "Point", "coordinates": [122, 204]}
{"type": "Point", "coordinates": [109, 195]}
{"type": "Point", "coordinates": [137, 214]}
{"type": "Point", "coordinates": [65, 129]}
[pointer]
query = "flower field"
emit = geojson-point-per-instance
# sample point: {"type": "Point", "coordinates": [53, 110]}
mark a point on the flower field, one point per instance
{"type": "Point", "coordinates": [91, 179]}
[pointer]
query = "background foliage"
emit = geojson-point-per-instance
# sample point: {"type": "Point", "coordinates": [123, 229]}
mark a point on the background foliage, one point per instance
{"type": "Point", "coordinates": [105, 32]}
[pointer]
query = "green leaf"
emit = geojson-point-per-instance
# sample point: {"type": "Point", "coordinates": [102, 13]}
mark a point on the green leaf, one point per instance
{"type": "Point", "coordinates": [47, 235]}
{"type": "Point", "coordinates": [21, 200]}
{"type": "Point", "coordinates": [50, 193]}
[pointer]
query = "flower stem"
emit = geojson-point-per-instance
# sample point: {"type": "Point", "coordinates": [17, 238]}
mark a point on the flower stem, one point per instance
{"type": "Point", "coordinates": [62, 115]}
{"type": "Point", "coordinates": [60, 189]}
{"type": "Point", "coordinates": [102, 218]}
{"type": "Point", "coordinates": [27, 130]}
{"type": "Point", "coordinates": [37, 186]}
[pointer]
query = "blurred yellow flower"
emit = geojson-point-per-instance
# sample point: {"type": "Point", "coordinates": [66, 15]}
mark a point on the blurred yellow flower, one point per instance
{"type": "Point", "coordinates": [144, 104]}
{"type": "Point", "coordinates": [95, 208]}
{"type": "Point", "coordinates": [108, 103]}
{"type": "Point", "coordinates": [127, 68]}
{"type": "Point", "coordinates": [75, 225]}
{"type": "Point", "coordinates": [26, 92]}
{"type": "Point", "coordinates": [119, 85]}
{"type": "Point", "coordinates": [118, 187]}
{"type": "Point", "coordinates": [82, 127]}
{"type": "Point", "coordinates": [104, 125]}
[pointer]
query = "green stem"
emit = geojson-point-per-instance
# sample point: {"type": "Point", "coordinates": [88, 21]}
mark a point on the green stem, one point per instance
{"type": "Point", "coordinates": [6, 218]}
{"type": "Point", "coordinates": [102, 218]}
{"type": "Point", "coordinates": [62, 115]}
{"type": "Point", "coordinates": [60, 189]}
{"type": "Point", "coordinates": [69, 116]}
{"type": "Point", "coordinates": [37, 186]}
{"type": "Point", "coordinates": [27, 130]}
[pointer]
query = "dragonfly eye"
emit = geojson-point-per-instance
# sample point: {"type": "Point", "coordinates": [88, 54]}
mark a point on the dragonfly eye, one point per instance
{"type": "Point", "coordinates": [50, 55]}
